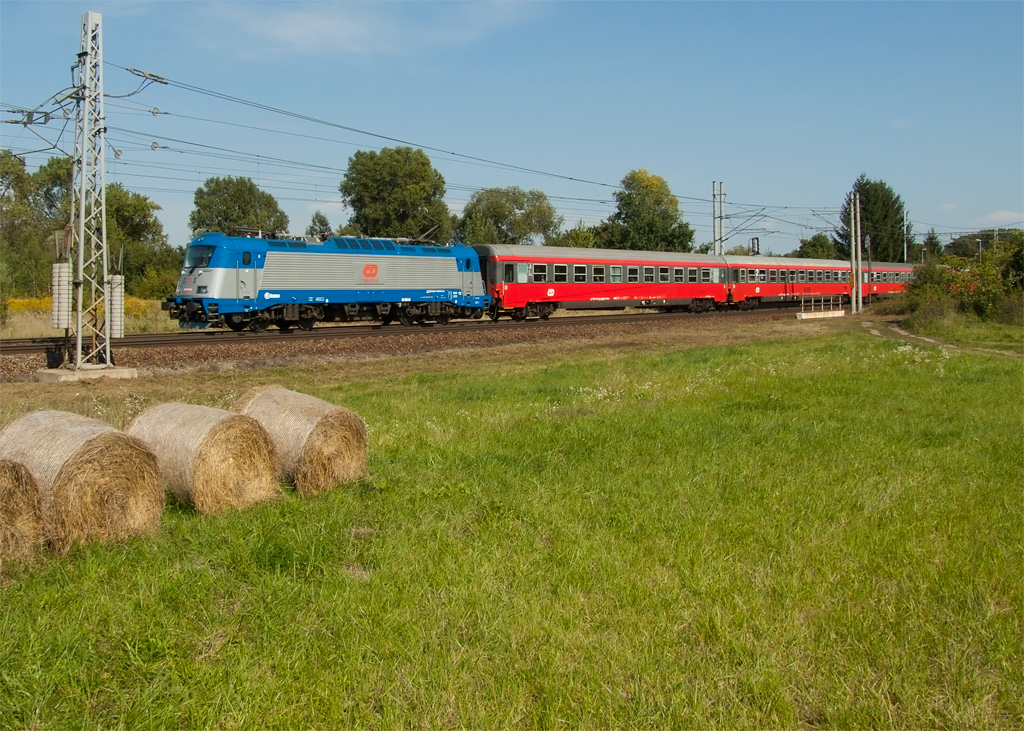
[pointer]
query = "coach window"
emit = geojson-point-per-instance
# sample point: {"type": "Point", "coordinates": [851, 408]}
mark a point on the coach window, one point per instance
{"type": "Point", "coordinates": [762, 275]}
{"type": "Point", "coordinates": [616, 274]}
{"type": "Point", "coordinates": [632, 275]}
{"type": "Point", "coordinates": [743, 275]}
{"type": "Point", "coordinates": [691, 275]}
{"type": "Point", "coordinates": [664, 274]}
{"type": "Point", "coordinates": [773, 276]}
{"type": "Point", "coordinates": [828, 276]}
{"type": "Point", "coordinates": [598, 273]}
{"type": "Point", "coordinates": [648, 274]}
{"type": "Point", "coordinates": [819, 276]}
{"type": "Point", "coordinates": [579, 272]}
{"type": "Point", "coordinates": [792, 276]}
{"type": "Point", "coordinates": [561, 273]}
{"type": "Point", "coordinates": [705, 276]}
{"type": "Point", "coordinates": [522, 272]}
{"type": "Point", "coordinates": [540, 272]}
{"type": "Point", "coordinates": [678, 274]}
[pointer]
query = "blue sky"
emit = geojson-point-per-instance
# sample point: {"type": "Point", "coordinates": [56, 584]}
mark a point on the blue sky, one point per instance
{"type": "Point", "coordinates": [785, 103]}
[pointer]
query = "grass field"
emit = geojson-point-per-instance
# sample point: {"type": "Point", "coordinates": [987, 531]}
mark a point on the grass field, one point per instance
{"type": "Point", "coordinates": [823, 533]}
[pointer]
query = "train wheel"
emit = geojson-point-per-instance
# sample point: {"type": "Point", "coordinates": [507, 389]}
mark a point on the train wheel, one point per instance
{"type": "Point", "coordinates": [307, 323]}
{"type": "Point", "coordinates": [235, 321]}
{"type": "Point", "coordinates": [284, 326]}
{"type": "Point", "coordinates": [443, 319]}
{"type": "Point", "coordinates": [519, 315]}
{"type": "Point", "coordinates": [405, 318]}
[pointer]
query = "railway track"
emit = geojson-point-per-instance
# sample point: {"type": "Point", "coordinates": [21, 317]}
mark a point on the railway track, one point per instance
{"type": "Point", "coordinates": [200, 338]}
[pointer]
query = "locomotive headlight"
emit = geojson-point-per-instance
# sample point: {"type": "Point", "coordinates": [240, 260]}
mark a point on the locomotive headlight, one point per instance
{"type": "Point", "coordinates": [201, 290]}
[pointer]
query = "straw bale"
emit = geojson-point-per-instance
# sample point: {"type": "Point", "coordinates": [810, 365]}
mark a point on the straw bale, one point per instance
{"type": "Point", "coordinates": [95, 482]}
{"type": "Point", "coordinates": [21, 528]}
{"type": "Point", "coordinates": [211, 459]}
{"type": "Point", "coordinates": [319, 445]}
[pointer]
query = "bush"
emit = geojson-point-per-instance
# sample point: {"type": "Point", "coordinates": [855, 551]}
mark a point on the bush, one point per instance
{"type": "Point", "coordinates": [970, 286]}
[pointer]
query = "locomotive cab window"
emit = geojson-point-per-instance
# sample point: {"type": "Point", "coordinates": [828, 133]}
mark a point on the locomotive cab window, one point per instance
{"type": "Point", "coordinates": [198, 256]}
{"type": "Point", "coordinates": [540, 273]}
{"type": "Point", "coordinates": [579, 272]}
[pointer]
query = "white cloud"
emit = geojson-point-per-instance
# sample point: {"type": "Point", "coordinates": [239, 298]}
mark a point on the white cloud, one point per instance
{"type": "Point", "coordinates": [400, 28]}
{"type": "Point", "coordinates": [1005, 217]}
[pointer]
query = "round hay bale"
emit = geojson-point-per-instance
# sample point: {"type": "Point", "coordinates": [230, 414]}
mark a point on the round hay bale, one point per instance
{"type": "Point", "coordinates": [95, 482]}
{"type": "Point", "coordinates": [319, 445]}
{"type": "Point", "coordinates": [211, 459]}
{"type": "Point", "coordinates": [21, 528]}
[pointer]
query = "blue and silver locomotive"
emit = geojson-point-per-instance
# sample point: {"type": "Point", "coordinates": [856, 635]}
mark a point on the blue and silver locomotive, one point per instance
{"type": "Point", "coordinates": [243, 282]}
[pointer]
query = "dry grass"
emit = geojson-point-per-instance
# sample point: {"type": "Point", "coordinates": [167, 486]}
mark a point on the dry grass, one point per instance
{"type": "Point", "coordinates": [211, 459]}
{"type": "Point", "coordinates": [21, 532]}
{"type": "Point", "coordinates": [319, 445]}
{"type": "Point", "coordinates": [95, 483]}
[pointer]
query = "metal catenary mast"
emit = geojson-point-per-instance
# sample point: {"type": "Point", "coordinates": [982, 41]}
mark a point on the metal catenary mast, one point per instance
{"type": "Point", "coordinates": [97, 298]}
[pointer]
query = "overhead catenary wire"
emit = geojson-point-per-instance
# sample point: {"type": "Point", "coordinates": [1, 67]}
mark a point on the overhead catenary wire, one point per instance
{"type": "Point", "coordinates": [747, 218]}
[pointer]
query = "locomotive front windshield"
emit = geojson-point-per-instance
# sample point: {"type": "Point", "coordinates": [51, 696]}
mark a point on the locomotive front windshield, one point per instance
{"type": "Point", "coordinates": [198, 256]}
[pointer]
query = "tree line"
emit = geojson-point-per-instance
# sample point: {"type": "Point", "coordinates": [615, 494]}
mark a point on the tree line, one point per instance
{"type": "Point", "coordinates": [397, 193]}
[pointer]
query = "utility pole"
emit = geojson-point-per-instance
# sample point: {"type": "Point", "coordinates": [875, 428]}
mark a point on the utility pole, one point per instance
{"type": "Point", "coordinates": [718, 215]}
{"type": "Point", "coordinates": [97, 301]}
{"type": "Point", "coordinates": [855, 262]}
{"type": "Point", "coordinates": [714, 214]}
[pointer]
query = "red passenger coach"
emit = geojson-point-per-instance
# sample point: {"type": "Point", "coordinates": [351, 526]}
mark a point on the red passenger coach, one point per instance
{"type": "Point", "coordinates": [534, 281]}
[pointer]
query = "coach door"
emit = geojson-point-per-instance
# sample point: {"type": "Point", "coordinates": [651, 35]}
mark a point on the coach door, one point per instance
{"type": "Point", "coordinates": [245, 276]}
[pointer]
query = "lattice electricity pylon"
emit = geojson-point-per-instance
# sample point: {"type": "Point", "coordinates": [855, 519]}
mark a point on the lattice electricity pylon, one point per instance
{"type": "Point", "coordinates": [91, 322]}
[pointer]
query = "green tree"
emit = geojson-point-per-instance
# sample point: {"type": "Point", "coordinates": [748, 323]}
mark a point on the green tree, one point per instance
{"type": "Point", "coordinates": [33, 208]}
{"type": "Point", "coordinates": [931, 246]}
{"type": "Point", "coordinates": [647, 217]}
{"type": "Point", "coordinates": [973, 243]}
{"type": "Point", "coordinates": [320, 227]}
{"type": "Point", "coordinates": [138, 245]}
{"type": "Point", "coordinates": [882, 217]}
{"type": "Point", "coordinates": [580, 236]}
{"type": "Point", "coordinates": [396, 192]}
{"type": "Point", "coordinates": [225, 204]}
{"type": "Point", "coordinates": [818, 246]}
{"type": "Point", "coordinates": [508, 216]}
